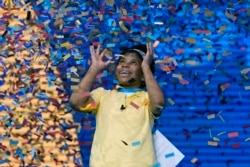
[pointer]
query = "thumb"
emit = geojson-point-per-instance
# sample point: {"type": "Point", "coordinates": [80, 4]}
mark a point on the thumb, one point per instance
{"type": "Point", "coordinates": [107, 62]}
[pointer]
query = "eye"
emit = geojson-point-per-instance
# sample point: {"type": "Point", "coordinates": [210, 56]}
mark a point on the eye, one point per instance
{"type": "Point", "coordinates": [121, 61]}
{"type": "Point", "coordinates": [134, 62]}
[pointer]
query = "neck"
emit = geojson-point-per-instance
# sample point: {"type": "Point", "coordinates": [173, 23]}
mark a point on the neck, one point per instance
{"type": "Point", "coordinates": [129, 89]}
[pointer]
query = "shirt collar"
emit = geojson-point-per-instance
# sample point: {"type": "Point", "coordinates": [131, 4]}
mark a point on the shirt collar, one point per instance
{"type": "Point", "coordinates": [129, 90]}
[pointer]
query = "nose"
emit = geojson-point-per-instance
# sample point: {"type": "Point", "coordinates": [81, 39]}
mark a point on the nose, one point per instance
{"type": "Point", "coordinates": [125, 64]}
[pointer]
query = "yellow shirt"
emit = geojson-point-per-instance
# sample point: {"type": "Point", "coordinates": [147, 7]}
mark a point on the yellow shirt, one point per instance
{"type": "Point", "coordinates": [123, 137]}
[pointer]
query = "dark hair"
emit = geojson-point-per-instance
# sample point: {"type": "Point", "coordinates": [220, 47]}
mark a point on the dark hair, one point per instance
{"type": "Point", "coordinates": [134, 49]}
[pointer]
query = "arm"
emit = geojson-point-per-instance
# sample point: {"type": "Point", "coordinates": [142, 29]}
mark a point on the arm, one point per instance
{"type": "Point", "coordinates": [80, 97]}
{"type": "Point", "coordinates": [156, 96]}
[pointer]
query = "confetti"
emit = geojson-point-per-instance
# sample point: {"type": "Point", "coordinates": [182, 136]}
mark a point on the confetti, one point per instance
{"type": "Point", "coordinates": [136, 143]}
{"type": "Point", "coordinates": [212, 143]}
{"type": "Point", "coordinates": [210, 133]}
{"type": "Point", "coordinates": [221, 118]}
{"type": "Point", "coordinates": [134, 105]}
{"type": "Point", "coordinates": [247, 87]}
{"type": "Point", "coordinates": [245, 71]}
{"type": "Point", "coordinates": [4, 161]}
{"type": "Point", "coordinates": [156, 165]}
{"type": "Point", "coordinates": [211, 116]}
{"type": "Point", "coordinates": [31, 85]}
{"type": "Point", "coordinates": [169, 155]}
{"type": "Point", "coordinates": [247, 139]}
{"type": "Point", "coordinates": [156, 43]}
{"type": "Point", "coordinates": [216, 139]}
{"type": "Point", "coordinates": [221, 133]}
{"type": "Point", "coordinates": [209, 43]}
{"type": "Point", "coordinates": [170, 101]}
{"type": "Point", "coordinates": [233, 134]}
{"type": "Point", "coordinates": [236, 145]}
{"type": "Point", "coordinates": [194, 160]}
{"type": "Point", "coordinates": [230, 16]}
{"type": "Point", "coordinates": [191, 40]}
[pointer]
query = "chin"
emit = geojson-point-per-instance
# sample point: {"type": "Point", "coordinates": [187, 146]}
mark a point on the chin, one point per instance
{"type": "Point", "coordinates": [124, 84]}
{"type": "Point", "coordinates": [123, 81]}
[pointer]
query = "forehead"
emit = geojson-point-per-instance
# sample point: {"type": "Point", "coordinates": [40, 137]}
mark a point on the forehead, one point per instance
{"type": "Point", "coordinates": [131, 55]}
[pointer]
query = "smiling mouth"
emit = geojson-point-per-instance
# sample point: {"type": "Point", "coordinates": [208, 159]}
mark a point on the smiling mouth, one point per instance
{"type": "Point", "coordinates": [124, 73]}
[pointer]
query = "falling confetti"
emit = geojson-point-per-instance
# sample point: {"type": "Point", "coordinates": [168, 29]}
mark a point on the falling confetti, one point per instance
{"type": "Point", "coordinates": [202, 63]}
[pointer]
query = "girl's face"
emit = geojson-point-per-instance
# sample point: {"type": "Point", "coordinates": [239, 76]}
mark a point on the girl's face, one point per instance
{"type": "Point", "coordinates": [128, 71]}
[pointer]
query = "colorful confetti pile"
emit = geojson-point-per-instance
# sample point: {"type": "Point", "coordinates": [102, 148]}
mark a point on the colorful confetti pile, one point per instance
{"type": "Point", "coordinates": [202, 57]}
{"type": "Point", "coordinates": [36, 125]}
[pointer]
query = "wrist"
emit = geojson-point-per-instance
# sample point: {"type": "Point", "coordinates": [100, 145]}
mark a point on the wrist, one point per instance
{"type": "Point", "coordinates": [145, 67]}
{"type": "Point", "coordinates": [94, 69]}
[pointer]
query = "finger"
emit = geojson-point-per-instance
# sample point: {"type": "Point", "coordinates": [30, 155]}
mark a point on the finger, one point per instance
{"type": "Point", "coordinates": [91, 48]}
{"type": "Point", "coordinates": [149, 49]}
{"type": "Point", "coordinates": [99, 56]}
{"type": "Point", "coordinates": [103, 53]}
{"type": "Point", "coordinates": [150, 46]}
{"type": "Point", "coordinates": [93, 54]}
{"type": "Point", "coordinates": [98, 49]}
{"type": "Point", "coordinates": [107, 62]}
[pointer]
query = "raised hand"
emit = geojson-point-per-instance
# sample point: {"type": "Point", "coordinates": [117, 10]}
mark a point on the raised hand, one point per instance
{"type": "Point", "coordinates": [97, 58]}
{"type": "Point", "coordinates": [147, 60]}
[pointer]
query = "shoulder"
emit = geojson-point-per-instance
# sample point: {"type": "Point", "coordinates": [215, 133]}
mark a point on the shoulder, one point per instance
{"type": "Point", "coordinates": [101, 91]}
{"type": "Point", "coordinates": [142, 93]}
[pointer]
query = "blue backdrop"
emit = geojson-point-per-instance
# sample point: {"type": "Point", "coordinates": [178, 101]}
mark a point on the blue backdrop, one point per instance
{"type": "Point", "coordinates": [207, 113]}
{"type": "Point", "coordinates": [207, 89]}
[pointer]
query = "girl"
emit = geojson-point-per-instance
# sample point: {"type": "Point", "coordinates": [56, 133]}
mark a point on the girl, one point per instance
{"type": "Point", "coordinates": [125, 115]}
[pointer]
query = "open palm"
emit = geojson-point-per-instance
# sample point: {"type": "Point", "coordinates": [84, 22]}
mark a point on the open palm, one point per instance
{"type": "Point", "coordinates": [97, 58]}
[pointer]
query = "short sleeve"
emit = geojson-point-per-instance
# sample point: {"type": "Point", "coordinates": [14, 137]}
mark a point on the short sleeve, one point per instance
{"type": "Point", "coordinates": [96, 94]}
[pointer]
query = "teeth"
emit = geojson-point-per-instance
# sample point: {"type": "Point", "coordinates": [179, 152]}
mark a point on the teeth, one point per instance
{"type": "Point", "coordinates": [124, 72]}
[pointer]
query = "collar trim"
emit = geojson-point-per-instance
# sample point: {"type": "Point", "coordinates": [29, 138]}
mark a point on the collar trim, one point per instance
{"type": "Point", "coordinates": [128, 90]}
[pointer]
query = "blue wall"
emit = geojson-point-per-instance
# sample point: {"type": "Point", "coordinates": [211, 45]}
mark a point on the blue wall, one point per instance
{"type": "Point", "coordinates": [214, 36]}
{"type": "Point", "coordinates": [221, 52]}
{"type": "Point", "coordinates": [210, 42]}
